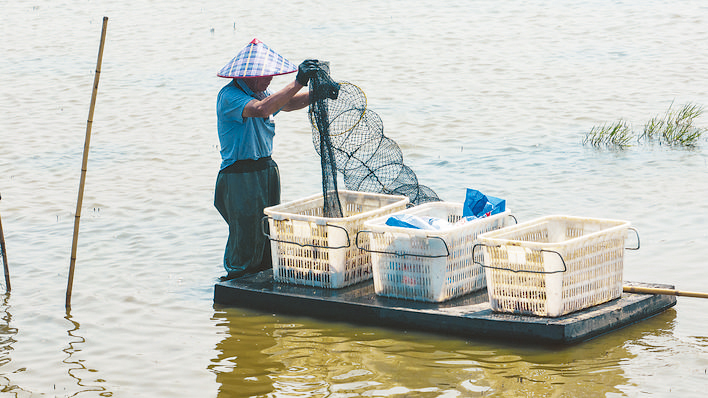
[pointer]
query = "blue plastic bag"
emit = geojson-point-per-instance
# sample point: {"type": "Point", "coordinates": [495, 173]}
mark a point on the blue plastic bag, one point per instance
{"type": "Point", "coordinates": [479, 205]}
{"type": "Point", "coordinates": [412, 221]}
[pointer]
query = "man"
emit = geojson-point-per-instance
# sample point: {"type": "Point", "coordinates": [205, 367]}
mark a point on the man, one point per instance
{"type": "Point", "coordinates": [248, 179]}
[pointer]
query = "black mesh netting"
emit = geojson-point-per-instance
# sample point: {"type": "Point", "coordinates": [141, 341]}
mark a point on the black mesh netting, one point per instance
{"type": "Point", "coordinates": [349, 138]}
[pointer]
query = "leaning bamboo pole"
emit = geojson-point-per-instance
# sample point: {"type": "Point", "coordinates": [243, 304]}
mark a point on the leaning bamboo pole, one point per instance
{"type": "Point", "coordinates": [4, 258]}
{"type": "Point", "coordinates": [87, 140]}
{"type": "Point", "coordinates": [668, 292]}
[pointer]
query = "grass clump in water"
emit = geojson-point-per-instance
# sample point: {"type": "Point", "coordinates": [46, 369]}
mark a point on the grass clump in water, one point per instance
{"type": "Point", "coordinates": [676, 127]}
{"type": "Point", "coordinates": [617, 135]}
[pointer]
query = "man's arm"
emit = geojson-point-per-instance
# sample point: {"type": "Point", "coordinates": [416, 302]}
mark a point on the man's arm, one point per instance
{"type": "Point", "coordinates": [298, 101]}
{"type": "Point", "coordinates": [275, 101]}
{"type": "Point", "coordinates": [288, 98]}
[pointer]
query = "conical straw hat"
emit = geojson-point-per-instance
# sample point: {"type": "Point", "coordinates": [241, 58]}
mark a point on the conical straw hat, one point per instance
{"type": "Point", "coordinates": [257, 60]}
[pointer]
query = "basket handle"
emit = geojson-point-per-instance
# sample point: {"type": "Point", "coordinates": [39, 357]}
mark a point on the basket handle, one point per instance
{"type": "Point", "coordinates": [349, 243]}
{"type": "Point", "coordinates": [637, 233]}
{"type": "Point", "coordinates": [263, 224]}
{"type": "Point", "coordinates": [565, 267]}
{"type": "Point", "coordinates": [447, 249]}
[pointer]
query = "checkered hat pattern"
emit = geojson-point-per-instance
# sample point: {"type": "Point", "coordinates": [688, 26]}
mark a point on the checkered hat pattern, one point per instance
{"type": "Point", "coordinates": [257, 60]}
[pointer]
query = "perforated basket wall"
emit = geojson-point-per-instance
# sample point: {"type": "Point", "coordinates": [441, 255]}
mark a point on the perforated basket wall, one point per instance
{"type": "Point", "coordinates": [554, 265]}
{"type": "Point", "coordinates": [428, 265]}
{"type": "Point", "coordinates": [310, 249]}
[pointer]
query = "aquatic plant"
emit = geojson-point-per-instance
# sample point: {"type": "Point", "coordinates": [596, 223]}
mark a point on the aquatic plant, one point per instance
{"type": "Point", "coordinates": [676, 127]}
{"type": "Point", "coordinates": [618, 134]}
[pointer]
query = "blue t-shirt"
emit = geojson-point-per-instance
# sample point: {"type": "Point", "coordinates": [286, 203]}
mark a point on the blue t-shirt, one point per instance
{"type": "Point", "coordinates": [241, 138]}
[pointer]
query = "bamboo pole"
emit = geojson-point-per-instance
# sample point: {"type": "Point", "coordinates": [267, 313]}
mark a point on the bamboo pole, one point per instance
{"type": "Point", "coordinates": [668, 292]}
{"type": "Point", "coordinates": [4, 258]}
{"type": "Point", "coordinates": [87, 140]}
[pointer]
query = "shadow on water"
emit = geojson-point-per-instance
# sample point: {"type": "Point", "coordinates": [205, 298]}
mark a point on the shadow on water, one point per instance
{"type": "Point", "coordinates": [77, 368]}
{"type": "Point", "coordinates": [272, 355]}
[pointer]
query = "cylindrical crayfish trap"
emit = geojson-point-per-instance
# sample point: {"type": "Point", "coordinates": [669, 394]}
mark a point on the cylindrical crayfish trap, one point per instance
{"type": "Point", "coordinates": [349, 138]}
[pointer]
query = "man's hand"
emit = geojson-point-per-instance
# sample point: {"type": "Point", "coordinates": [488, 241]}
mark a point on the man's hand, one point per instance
{"type": "Point", "coordinates": [306, 71]}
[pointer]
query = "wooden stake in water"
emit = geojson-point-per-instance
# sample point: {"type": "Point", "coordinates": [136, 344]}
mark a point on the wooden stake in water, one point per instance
{"type": "Point", "coordinates": [83, 165]}
{"type": "Point", "coordinates": [4, 258]}
{"type": "Point", "coordinates": [668, 292]}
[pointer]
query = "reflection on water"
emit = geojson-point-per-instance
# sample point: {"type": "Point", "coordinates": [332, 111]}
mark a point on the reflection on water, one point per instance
{"type": "Point", "coordinates": [77, 368]}
{"type": "Point", "coordinates": [291, 356]}
{"type": "Point", "coordinates": [7, 339]}
{"type": "Point", "coordinates": [665, 353]}
{"type": "Point", "coordinates": [7, 332]}
{"type": "Point", "coordinates": [242, 368]}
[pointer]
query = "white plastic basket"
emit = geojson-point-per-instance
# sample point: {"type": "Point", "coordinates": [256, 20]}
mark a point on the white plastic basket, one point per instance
{"type": "Point", "coordinates": [428, 265]}
{"type": "Point", "coordinates": [309, 249]}
{"type": "Point", "coordinates": [554, 265]}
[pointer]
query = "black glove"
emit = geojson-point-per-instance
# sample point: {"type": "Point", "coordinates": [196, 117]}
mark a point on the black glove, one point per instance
{"type": "Point", "coordinates": [306, 71]}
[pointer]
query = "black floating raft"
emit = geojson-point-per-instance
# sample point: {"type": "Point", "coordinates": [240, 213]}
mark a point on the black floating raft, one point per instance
{"type": "Point", "coordinates": [469, 316]}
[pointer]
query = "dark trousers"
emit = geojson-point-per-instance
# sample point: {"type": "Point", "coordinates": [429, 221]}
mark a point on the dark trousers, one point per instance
{"type": "Point", "coordinates": [242, 191]}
